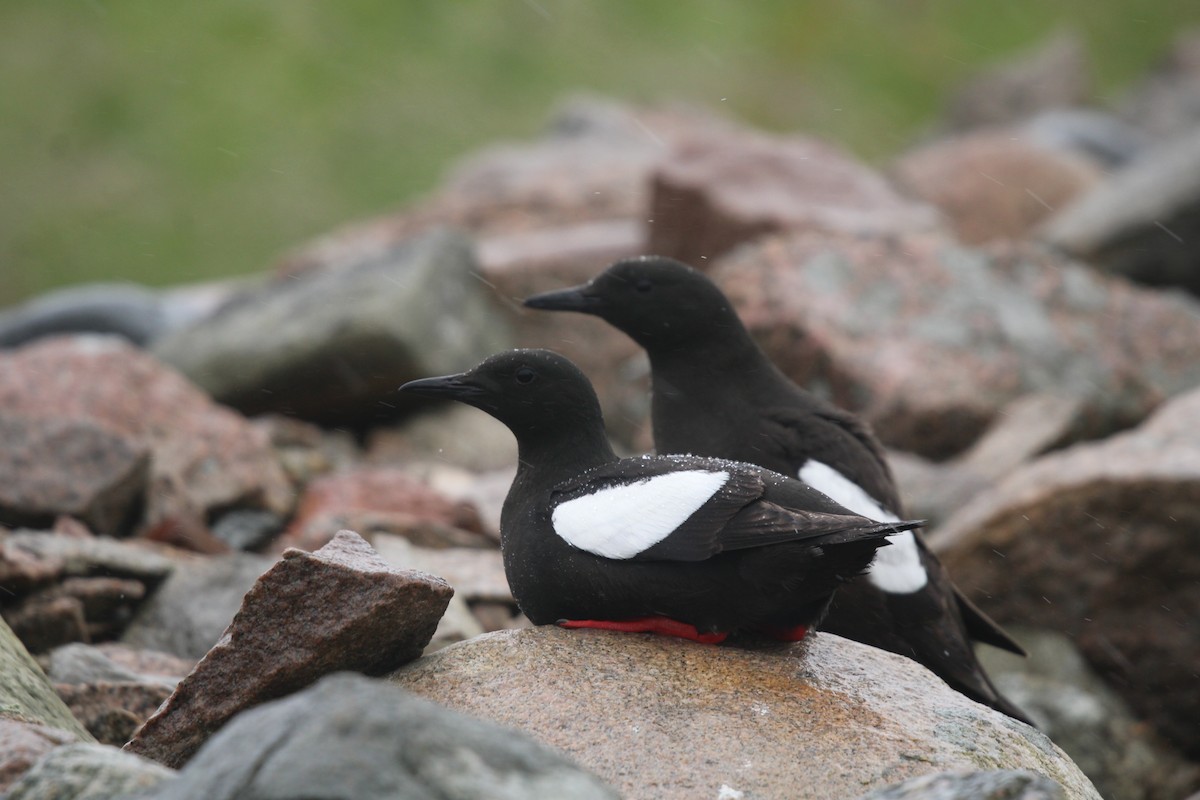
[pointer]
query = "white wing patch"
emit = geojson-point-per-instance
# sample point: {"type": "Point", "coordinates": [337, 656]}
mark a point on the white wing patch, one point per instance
{"type": "Point", "coordinates": [896, 569]}
{"type": "Point", "coordinates": [622, 521]}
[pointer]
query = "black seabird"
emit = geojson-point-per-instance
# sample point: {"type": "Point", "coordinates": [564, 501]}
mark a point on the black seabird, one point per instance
{"type": "Point", "coordinates": [715, 393]}
{"type": "Point", "coordinates": [686, 546]}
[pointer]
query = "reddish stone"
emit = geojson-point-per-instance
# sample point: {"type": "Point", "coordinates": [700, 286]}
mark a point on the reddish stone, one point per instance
{"type": "Point", "coordinates": [994, 185]}
{"type": "Point", "coordinates": [340, 608]}
{"type": "Point", "coordinates": [381, 499]}
{"type": "Point", "coordinates": [720, 190]}
{"type": "Point", "coordinates": [112, 711]}
{"type": "Point", "coordinates": [50, 467]}
{"type": "Point", "coordinates": [929, 339]}
{"type": "Point", "coordinates": [205, 457]}
{"type": "Point", "coordinates": [45, 622]}
{"type": "Point", "coordinates": [1098, 542]}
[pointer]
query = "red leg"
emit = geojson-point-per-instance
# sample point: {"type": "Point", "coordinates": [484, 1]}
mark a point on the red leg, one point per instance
{"type": "Point", "coordinates": [794, 634]}
{"type": "Point", "coordinates": [659, 625]}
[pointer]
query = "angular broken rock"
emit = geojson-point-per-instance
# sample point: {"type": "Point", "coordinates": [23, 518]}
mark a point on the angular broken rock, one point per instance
{"type": "Point", "coordinates": [353, 737]}
{"type": "Point", "coordinates": [50, 467]}
{"type": "Point", "coordinates": [1098, 541]}
{"type": "Point", "coordinates": [340, 608]}
{"type": "Point", "coordinates": [668, 719]}
{"type": "Point", "coordinates": [191, 610]}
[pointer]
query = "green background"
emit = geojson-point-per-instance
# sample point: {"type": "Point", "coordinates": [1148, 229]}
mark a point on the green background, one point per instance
{"type": "Point", "coordinates": [171, 142]}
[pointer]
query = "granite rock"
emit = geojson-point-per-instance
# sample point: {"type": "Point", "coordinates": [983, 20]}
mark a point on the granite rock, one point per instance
{"type": "Point", "coordinates": [50, 467]}
{"type": "Point", "coordinates": [824, 718]}
{"type": "Point", "coordinates": [719, 190]}
{"type": "Point", "coordinates": [352, 737]}
{"type": "Point", "coordinates": [340, 608]}
{"type": "Point", "coordinates": [89, 772]}
{"type": "Point", "coordinates": [929, 340]}
{"type": "Point", "coordinates": [1096, 541]}
{"type": "Point", "coordinates": [190, 611]}
{"type": "Point", "coordinates": [203, 457]}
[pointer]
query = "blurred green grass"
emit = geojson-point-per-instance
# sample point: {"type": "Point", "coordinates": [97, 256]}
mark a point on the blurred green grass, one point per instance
{"type": "Point", "coordinates": [165, 142]}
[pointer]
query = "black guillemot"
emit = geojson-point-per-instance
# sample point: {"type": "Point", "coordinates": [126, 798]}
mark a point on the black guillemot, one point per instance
{"type": "Point", "coordinates": [687, 546]}
{"type": "Point", "coordinates": [715, 393]}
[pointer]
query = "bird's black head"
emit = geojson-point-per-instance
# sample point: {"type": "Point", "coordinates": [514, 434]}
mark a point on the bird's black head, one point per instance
{"type": "Point", "coordinates": [541, 396]}
{"type": "Point", "coordinates": [657, 301]}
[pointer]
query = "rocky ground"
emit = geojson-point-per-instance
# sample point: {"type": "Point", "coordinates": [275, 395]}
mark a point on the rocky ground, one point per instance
{"type": "Point", "coordinates": [1012, 304]}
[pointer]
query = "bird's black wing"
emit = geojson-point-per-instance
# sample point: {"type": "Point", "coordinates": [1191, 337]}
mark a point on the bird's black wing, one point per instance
{"type": "Point", "coordinates": [671, 508]}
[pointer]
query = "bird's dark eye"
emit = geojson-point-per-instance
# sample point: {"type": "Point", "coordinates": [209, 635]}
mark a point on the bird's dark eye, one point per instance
{"type": "Point", "coordinates": [524, 375]}
{"type": "Point", "coordinates": [643, 285]}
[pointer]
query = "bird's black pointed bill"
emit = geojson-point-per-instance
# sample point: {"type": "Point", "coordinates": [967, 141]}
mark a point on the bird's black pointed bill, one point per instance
{"type": "Point", "coordinates": [575, 299]}
{"type": "Point", "coordinates": [455, 386]}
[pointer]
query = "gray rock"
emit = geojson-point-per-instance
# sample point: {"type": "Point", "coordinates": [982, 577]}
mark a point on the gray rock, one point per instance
{"type": "Point", "coordinates": [1087, 719]}
{"type": "Point", "coordinates": [1098, 135]}
{"type": "Point", "coordinates": [83, 663]}
{"type": "Point", "coordinates": [352, 738]}
{"type": "Point", "coordinates": [333, 346]}
{"type": "Point", "coordinates": [88, 772]}
{"type": "Point", "coordinates": [1000, 784]}
{"type": "Point", "coordinates": [25, 692]}
{"type": "Point", "coordinates": [1166, 103]}
{"type": "Point", "coordinates": [1023, 430]}
{"type": "Point", "coordinates": [1097, 541]}
{"type": "Point", "coordinates": [340, 608]}
{"type": "Point", "coordinates": [190, 611]}
{"type": "Point", "coordinates": [125, 310]}
{"type": "Point", "coordinates": [50, 467]}
{"type": "Point", "coordinates": [247, 529]}
{"type": "Point", "coordinates": [1143, 223]}
{"type": "Point", "coordinates": [672, 719]}
{"type": "Point", "coordinates": [1055, 74]}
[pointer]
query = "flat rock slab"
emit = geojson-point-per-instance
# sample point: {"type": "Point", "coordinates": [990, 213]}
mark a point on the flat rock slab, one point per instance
{"type": "Point", "coordinates": [1098, 541]}
{"type": "Point", "coordinates": [340, 608]}
{"type": "Point", "coordinates": [659, 717]}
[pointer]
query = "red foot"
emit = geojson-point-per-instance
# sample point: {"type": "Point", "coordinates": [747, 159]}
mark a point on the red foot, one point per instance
{"type": "Point", "coordinates": [785, 634]}
{"type": "Point", "coordinates": [660, 625]}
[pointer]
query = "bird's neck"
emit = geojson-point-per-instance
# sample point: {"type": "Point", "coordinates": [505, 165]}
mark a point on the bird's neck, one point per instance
{"type": "Point", "coordinates": [547, 459]}
{"type": "Point", "coordinates": [728, 358]}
